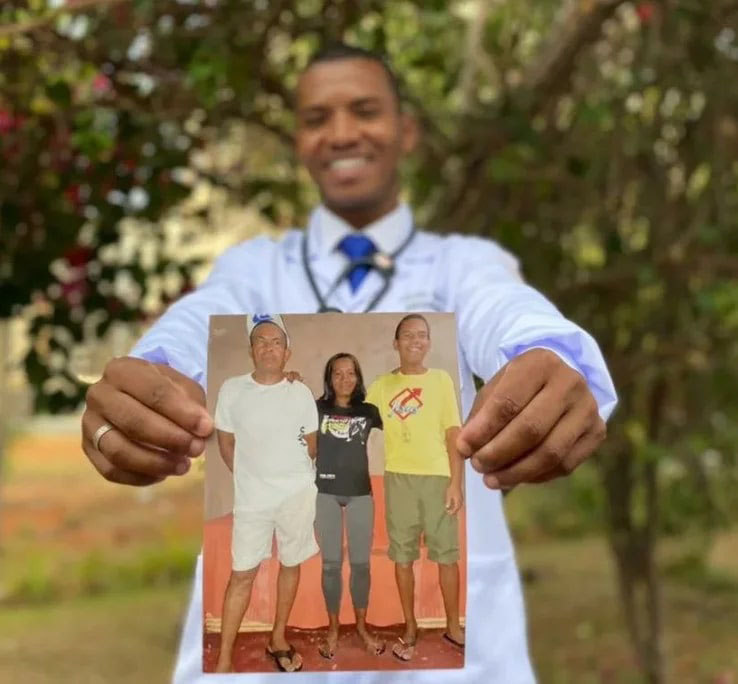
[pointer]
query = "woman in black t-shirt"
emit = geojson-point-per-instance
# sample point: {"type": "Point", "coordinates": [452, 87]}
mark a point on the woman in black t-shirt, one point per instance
{"type": "Point", "coordinates": [344, 491]}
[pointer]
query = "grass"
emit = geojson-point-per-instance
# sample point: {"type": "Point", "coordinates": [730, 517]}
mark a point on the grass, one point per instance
{"type": "Point", "coordinates": [95, 577]}
{"type": "Point", "coordinates": [118, 637]}
{"type": "Point", "coordinates": [42, 579]}
{"type": "Point", "coordinates": [577, 631]}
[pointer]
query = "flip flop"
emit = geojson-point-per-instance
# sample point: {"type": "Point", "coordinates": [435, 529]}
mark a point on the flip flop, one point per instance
{"type": "Point", "coordinates": [277, 656]}
{"type": "Point", "coordinates": [404, 650]}
{"type": "Point", "coordinates": [450, 639]}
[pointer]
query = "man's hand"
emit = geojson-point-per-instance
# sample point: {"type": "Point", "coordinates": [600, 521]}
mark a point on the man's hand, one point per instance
{"type": "Point", "coordinates": [159, 418]}
{"type": "Point", "coordinates": [533, 421]}
{"type": "Point", "coordinates": [454, 498]}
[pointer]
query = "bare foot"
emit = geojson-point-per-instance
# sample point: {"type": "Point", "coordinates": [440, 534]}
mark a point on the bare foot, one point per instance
{"type": "Point", "coordinates": [224, 666]}
{"type": "Point", "coordinates": [372, 645]}
{"type": "Point", "coordinates": [329, 646]}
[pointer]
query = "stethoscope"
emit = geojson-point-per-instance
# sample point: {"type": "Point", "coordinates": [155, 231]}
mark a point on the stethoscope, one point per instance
{"type": "Point", "coordinates": [384, 264]}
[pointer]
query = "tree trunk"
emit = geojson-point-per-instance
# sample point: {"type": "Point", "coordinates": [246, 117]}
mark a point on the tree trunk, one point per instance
{"type": "Point", "coordinates": [633, 547]}
{"type": "Point", "coordinates": [653, 646]}
{"type": "Point", "coordinates": [633, 542]}
{"type": "Point", "coordinates": [4, 408]}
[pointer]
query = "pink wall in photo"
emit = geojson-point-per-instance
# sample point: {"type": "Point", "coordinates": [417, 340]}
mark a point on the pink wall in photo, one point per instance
{"type": "Point", "coordinates": [314, 338]}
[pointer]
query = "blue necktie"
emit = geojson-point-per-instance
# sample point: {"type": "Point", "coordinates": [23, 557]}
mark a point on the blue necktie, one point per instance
{"type": "Point", "coordinates": [356, 248]}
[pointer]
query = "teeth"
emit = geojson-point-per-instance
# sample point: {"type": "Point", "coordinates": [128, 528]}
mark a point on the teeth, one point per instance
{"type": "Point", "coordinates": [351, 163]}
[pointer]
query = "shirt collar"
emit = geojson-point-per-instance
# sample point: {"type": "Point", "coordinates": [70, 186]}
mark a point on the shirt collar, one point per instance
{"type": "Point", "coordinates": [250, 381]}
{"type": "Point", "coordinates": [388, 233]}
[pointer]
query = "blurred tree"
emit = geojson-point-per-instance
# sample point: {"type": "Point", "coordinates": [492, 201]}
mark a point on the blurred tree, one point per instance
{"type": "Point", "coordinates": [598, 140]}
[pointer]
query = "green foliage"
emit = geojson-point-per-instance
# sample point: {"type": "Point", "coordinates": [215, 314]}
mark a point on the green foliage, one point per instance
{"type": "Point", "coordinates": [100, 572]}
{"type": "Point", "coordinates": [692, 571]}
{"type": "Point", "coordinates": [567, 508]}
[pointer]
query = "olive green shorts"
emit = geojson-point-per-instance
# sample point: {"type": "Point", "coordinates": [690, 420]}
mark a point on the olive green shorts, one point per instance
{"type": "Point", "coordinates": [415, 505]}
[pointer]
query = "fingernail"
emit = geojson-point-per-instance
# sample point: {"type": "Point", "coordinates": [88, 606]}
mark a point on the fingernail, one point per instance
{"type": "Point", "coordinates": [204, 426]}
{"type": "Point", "coordinates": [197, 446]}
{"type": "Point", "coordinates": [491, 481]}
{"type": "Point", "coordinates": [477, 464]}
{"type": "Point", "coordinates": [182, 467]}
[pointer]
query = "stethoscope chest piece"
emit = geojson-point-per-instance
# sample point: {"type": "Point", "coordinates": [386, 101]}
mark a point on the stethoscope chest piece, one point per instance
{"type": "Point", "coordinates": [383, 262]}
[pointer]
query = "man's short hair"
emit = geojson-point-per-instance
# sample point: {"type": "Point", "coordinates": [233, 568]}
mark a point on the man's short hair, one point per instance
{"type": "Point", "coordinates": [337, 51]}
{"type": "Point", "coordinates": [411, 317]}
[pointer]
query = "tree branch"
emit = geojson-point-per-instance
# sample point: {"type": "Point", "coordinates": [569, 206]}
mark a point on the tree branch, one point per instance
{"type": "Point", "coordinates": [548, 75]}
{"type": "Point", "coordinates": [78, 7]}
{"type": "Point", "coordinates": [475, 53]}
{"type": "Point", "coordinates": [709, 266]}
{"type": "Point", "coordinates": [545, 78]}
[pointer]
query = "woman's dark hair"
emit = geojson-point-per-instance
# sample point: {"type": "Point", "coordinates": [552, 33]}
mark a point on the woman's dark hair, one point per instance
{"type": "Point", "coordinates": [329, 394]}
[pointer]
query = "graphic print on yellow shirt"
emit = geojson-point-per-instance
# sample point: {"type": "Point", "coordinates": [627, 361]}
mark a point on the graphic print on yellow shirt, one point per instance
{"type": "Point", "coordinates": [407, 402]}
{"type": "Point", "coordinates": [416, 411]}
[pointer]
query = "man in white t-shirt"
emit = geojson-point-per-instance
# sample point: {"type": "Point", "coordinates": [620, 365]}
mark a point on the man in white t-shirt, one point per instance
{"type": "Point", "coordinates": [267, 436]}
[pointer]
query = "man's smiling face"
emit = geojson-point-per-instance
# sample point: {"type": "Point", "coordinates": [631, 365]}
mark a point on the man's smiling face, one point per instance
{"type": "Point", "coordinates": [351, 136]}
{"type": "Point", "coordinates": [413, 341]}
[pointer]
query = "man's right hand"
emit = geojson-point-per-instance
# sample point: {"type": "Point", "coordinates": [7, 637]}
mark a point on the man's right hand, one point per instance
{"type": "Point", "coordinates": [159, 420]}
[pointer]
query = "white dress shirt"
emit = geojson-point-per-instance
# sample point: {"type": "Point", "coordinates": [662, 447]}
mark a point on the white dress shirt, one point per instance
{"type": "Point", "coordinates": [498, 316]}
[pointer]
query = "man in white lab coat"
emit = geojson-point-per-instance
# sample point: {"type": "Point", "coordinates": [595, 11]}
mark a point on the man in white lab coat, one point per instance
{"type": "Point", "coordinates": [539, 415]}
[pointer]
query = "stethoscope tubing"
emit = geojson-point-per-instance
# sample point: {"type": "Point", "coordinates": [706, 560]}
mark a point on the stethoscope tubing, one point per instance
{"type": "Point", "coordinates": [386, 271]}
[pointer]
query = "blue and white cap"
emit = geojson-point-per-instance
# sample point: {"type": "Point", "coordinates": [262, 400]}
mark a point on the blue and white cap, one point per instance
{"type": "Point", "coordinates": [254, 320]}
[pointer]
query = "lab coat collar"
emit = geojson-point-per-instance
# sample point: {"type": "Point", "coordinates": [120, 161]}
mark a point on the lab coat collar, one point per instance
{"type": "Point", "coordinates": [388, 233]}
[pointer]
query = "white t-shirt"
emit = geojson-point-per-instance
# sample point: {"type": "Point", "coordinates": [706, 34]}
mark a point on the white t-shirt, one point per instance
{"type": "Point", "coordinates": [269, 422]}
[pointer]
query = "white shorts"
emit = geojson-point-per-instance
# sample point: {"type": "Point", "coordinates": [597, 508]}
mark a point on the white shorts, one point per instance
{"type": "Point", "coordinates": [293, 523]}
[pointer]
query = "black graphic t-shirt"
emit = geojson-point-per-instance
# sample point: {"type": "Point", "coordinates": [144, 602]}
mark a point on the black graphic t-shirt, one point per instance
{"type": "Point", "coordinates": [343, 463]}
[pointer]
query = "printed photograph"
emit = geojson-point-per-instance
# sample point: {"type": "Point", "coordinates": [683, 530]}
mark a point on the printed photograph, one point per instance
{"type": "Point", "coordinates": [334, 533]}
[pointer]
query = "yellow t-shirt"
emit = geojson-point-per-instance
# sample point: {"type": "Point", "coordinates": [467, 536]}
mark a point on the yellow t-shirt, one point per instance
{"type": "Point", "coordinates": [416, 411]}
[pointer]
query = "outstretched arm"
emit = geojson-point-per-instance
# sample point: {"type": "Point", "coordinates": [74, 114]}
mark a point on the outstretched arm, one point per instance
{"type": "Point", "coordinates": [543, 410]}
{"type": "Point", "coordinates": [154, 398]}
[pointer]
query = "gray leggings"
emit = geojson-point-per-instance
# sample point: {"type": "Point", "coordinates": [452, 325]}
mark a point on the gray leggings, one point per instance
{"type": "Point", "coordinates": [359, 511]}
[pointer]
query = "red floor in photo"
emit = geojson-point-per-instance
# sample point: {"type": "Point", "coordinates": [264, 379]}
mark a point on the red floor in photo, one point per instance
{"type": "Point", "coordinates": [432, 651]}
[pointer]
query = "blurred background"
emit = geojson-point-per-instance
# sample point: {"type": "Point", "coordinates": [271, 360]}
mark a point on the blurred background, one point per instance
{"type": "Point", "coordinates": [596, 139]}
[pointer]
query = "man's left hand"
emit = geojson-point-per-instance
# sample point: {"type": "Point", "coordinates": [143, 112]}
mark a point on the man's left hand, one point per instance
{"type": "Point", "coordinates": [535, 420]}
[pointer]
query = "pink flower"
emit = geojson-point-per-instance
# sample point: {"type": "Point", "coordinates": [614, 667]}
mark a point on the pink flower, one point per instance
{"type": "Point", "coordinates": [645, 11]}
{"type": "Point", "coordinates": [7, 121]}
{"type": "Point", "coordinates": [101, 84]}
{"type": "Point", "coordinates": [72, 194]}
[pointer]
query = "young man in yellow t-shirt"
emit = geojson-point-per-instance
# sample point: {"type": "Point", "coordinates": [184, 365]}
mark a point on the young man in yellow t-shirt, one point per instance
{"type": "Point", "coordinates": [423, 473]}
